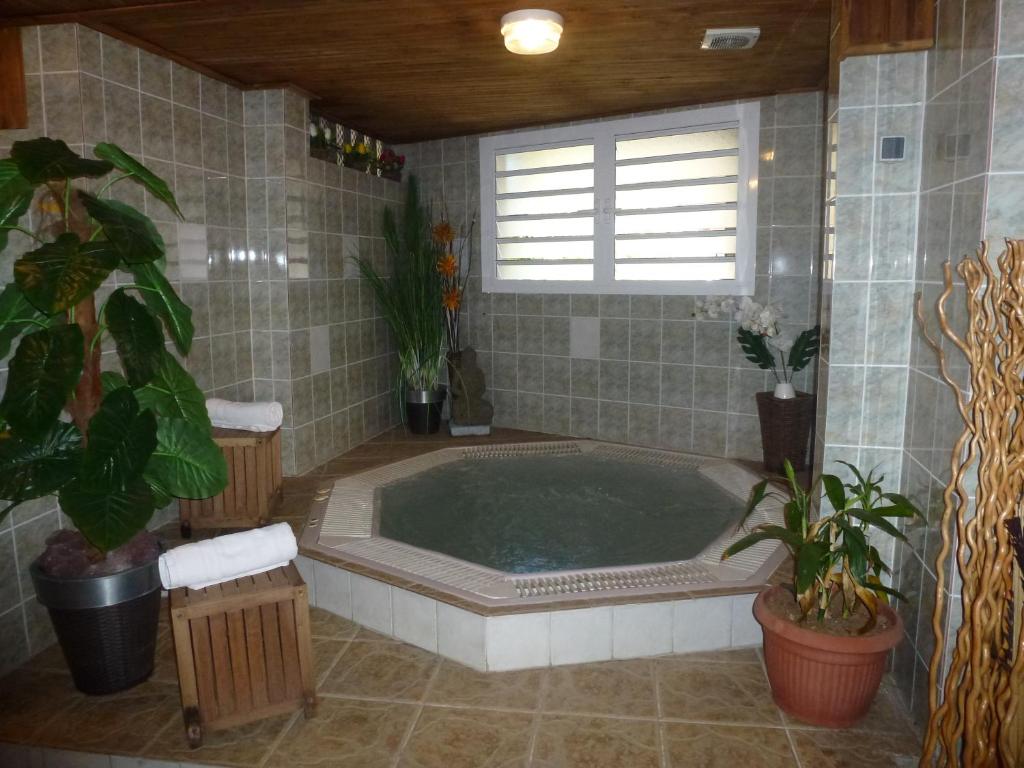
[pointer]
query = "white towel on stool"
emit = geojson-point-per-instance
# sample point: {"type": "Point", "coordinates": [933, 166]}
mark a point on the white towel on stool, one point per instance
{"type": "Point", "coordinates": [228, 557]}
{"type": "Point", "coordinates": [253, 417]}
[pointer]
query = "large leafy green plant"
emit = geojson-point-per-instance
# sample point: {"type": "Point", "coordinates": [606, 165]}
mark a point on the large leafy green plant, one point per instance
{"type": "Point", "coordinates": [832, 557]}
{"type": "Point", "coordinates": [410, 298]}
{"type": "Point", "coordinates": [114, 447]}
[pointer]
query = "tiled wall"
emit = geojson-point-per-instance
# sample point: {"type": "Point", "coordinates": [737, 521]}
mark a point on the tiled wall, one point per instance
{"type": "Point", "coordinates": [262, 247]}
{"type": "Point", "coordinates": [640, 369]}
{"type": "Point", "coordinates": [972, 139]}
{"type": "Point", "coordinates": [962, 97]}
{"type": "Point", "coordinates": [868, 269]}
{"type": "Point", "coordinates": [319, 345]}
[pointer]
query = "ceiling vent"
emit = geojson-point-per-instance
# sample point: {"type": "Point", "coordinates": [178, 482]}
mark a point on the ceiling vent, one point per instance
{"type": "Point", "coordinates": [730, 39]}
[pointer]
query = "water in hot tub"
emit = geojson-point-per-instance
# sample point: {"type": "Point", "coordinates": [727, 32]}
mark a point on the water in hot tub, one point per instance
{"type": "Point", "coordinates": [528, 514]}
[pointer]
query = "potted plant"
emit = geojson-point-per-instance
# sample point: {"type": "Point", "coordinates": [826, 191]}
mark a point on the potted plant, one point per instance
{"type": "Point", "coordinates": [828, 634]}
{"type": "Point", "coordinates": [390, 164]}
{"type": "Point", "coordinates": [410, 301]}
{"type": "Point", "coordinates": [785, 414]}
{"type": "Point", "coordinates": [357, 156]}
{"type": "Point", "coordinates": [112, 446]}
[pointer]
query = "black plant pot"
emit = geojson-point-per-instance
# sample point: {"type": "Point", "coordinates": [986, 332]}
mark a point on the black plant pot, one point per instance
{"type": "Point", "coordinates": [423, 410]}
{"type": "Point", "coordinates": [106, 625]}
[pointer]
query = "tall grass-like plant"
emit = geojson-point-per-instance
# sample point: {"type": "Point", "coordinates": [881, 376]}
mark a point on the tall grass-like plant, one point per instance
{"type": "Point", "coordinates": [410, 298]}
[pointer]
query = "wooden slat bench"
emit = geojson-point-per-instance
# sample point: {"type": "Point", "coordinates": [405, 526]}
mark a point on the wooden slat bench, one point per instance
{"type": "Point", "coordinates": [254, 484]}
{"type": "Point", "coordinates": [243, 649]}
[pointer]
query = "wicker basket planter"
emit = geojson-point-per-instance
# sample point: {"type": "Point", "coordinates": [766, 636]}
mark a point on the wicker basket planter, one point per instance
{"type": "Point", "coordinates": [785, 429]}
{"type": "Point", "coordinates": [106, 625]}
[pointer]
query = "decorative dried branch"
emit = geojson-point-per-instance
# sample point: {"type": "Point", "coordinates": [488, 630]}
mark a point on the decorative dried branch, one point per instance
{"type": "Point", "coordinates": [973, 724]}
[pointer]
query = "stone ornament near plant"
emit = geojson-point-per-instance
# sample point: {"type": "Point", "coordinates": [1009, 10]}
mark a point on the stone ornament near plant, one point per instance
{"type": "Point", "coordinates": [114, 446]}
{"type": "Point", "coordinates": [785, 415]}
{"type": "Point", "coordinates": [828, 634]}
{"type": "Point", "coordinates": [471, 413]}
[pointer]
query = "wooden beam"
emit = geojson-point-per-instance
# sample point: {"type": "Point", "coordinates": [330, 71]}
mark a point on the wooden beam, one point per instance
{"type": "Point", "coordinates": [868, 27]}
{"type": "Point", "coordinates": [13, 101]}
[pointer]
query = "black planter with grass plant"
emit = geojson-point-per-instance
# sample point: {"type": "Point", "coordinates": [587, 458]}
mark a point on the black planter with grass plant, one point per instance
{"type": "Point", "coordinates": [410, 300]}
{"type": "Point", "coordinates": [113, 446]}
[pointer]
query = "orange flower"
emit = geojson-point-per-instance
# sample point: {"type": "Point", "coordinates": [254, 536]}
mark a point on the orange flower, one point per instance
{"type": "Point", "coordinates": [443, 233]}
{"type": "Point", "coordinates": [452, 299]}
{"type": "Point", "coordinates": [447, 265]}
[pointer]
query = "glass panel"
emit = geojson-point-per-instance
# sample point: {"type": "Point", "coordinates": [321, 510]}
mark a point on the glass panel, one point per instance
{"type": "Point", "coordinates": [676, 247]}
{"type": "Point", "coordinates": [536, 182]}
{"type": "Point", "coordinates": [544, 158]}
{"type": "Point", "coordinates": [702, 194]}
{"type": "Point", "coordinates": [696, 221]}
{"type": "Point", "coordinates": [677, 170]}
{"type": "Point", "coordinates": [527, 206]}
{"type": "Point", "coordinates": [545, 271]}
{"type": "Point", "coordinates": [582, 227]}
{"type": "Point", "coordinates": [571, 249]}
{"type": "Point", "coordinates": [677, 144]}
{"type": "Point", "coordinates": [677, 271]}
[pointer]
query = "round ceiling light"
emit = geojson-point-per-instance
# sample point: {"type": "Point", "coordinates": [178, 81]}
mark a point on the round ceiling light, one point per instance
{"type": "Point", "coordinates": [531, 31]}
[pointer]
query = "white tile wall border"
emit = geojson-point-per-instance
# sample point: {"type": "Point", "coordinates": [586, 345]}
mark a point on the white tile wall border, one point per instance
{"type": "Point", "coordinates": [539, 638]}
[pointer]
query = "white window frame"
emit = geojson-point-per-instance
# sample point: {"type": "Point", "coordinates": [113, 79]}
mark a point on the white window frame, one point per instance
{"type": "Point", "coordinates": [744, 114]}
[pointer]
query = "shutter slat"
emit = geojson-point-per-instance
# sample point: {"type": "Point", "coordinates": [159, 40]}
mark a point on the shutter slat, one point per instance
{"type": "Point", "coordinates": [676, 158]}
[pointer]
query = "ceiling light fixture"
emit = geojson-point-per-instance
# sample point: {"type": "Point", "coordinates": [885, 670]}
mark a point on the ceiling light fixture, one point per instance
{"type": "Point", "coordinates": [531, 31]}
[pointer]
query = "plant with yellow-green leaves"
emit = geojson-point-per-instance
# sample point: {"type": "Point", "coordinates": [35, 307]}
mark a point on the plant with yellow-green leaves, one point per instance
{"type": "Point", "coordinates": [835, 566]}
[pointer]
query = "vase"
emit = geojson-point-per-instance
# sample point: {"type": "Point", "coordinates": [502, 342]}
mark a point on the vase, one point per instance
{"type": "Point", "coordinates": [785, 429]}
{"type": "Point", "coordinates": [106, 625]}
{"type": "Point", "coordinates": [784, 391]}
{"type": "Point", "coordinates": [423, 409]}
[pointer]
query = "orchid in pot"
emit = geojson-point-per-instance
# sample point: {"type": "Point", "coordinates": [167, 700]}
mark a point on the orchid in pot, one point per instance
{"type": "Point", "coordinates": [785, 414]}
{"type": "Point", "coordinates": [763, 342]}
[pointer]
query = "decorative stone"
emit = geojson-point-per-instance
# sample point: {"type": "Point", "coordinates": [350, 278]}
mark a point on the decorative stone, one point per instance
{"type": "Point", "coordinates": [467, 385]}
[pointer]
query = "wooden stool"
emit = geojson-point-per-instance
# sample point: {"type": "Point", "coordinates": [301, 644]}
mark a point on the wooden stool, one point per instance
{"type": "Point", "coordinates": [244, 651]}
{"type": "Point", "coordinates": [254, 484]}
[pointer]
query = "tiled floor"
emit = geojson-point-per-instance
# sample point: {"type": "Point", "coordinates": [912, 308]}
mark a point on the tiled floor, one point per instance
{"type": "Point", "coordinates": [384, 703]}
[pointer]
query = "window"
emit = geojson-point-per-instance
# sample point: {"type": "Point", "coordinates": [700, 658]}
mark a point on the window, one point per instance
{"type": "Point", "coordinates": [659, 204]}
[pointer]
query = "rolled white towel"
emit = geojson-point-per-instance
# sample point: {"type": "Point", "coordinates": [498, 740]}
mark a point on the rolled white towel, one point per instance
{"type": "Point", "coordinates": [228, 557]}
{"type": "Point", "coordinates": [253, 417]}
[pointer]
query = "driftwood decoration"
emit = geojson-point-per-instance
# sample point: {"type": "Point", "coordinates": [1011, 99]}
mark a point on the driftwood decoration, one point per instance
{"type": "Point", "coordinates": [974, 723]}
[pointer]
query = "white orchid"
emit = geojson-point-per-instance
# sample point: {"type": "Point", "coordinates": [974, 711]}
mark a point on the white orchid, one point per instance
{"type": "Point", "coordinates": [312, 130]}
{"type": "Point", "coordinates": [714, 307]}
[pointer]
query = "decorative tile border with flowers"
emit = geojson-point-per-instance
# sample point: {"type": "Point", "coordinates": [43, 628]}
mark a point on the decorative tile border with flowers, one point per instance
{"type": "Point", "coordinates": [334, 143]}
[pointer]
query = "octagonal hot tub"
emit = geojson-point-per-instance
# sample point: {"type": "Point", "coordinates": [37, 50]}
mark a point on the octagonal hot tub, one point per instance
{"type": "Point", "coordinates": [548, 549]}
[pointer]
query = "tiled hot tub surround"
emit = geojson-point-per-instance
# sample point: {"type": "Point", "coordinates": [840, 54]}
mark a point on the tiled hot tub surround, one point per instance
{"type": "Point", "coordinates": [492, 620]}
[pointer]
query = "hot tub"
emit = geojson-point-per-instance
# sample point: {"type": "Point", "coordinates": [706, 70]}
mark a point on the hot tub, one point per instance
{"type": "Point", "coordinates": [547, 549]}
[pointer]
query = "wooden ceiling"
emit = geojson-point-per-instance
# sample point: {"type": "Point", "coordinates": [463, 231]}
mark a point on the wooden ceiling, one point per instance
{"type": "Point", "coordinates": [409, 70]}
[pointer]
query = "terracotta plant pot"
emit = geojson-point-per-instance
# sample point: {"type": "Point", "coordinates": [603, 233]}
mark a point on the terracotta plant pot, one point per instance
{"type": "Point", "coordinates": [824, 679]}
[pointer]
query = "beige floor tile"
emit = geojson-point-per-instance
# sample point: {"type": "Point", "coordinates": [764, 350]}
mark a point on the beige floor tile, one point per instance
{"type": "Point", "coordinates": [366, 734]}
{"type": "Point", "coordinates": [325, 653]}
{"type": "Point", "coordinates": [121, 723]}
{"type": "Point", "coordinates": [244, 746]}
{"type": "Point", "coordinates": [31, 698]}
{"type": "Point", "coordinates": [721, 746]}
{"type": "Point", "coordinates": [611, 688]}
{"type": "Point", "coordinates": [731, 656]}
{"type": "Point", "coordinates": [381, 670]}
{"type": "Point", "coordinates": [855, 749]}
{"type": "Point", "coordinates": [458, 685]}
{"type": "Point", "coordinates": [564, 741]}
{"type": "Point", "coordinates": [326, 624]}
{"type": "Point", "coordinates": [716, 693]}
{"type": "Point", "coordinates": [468, 738]}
